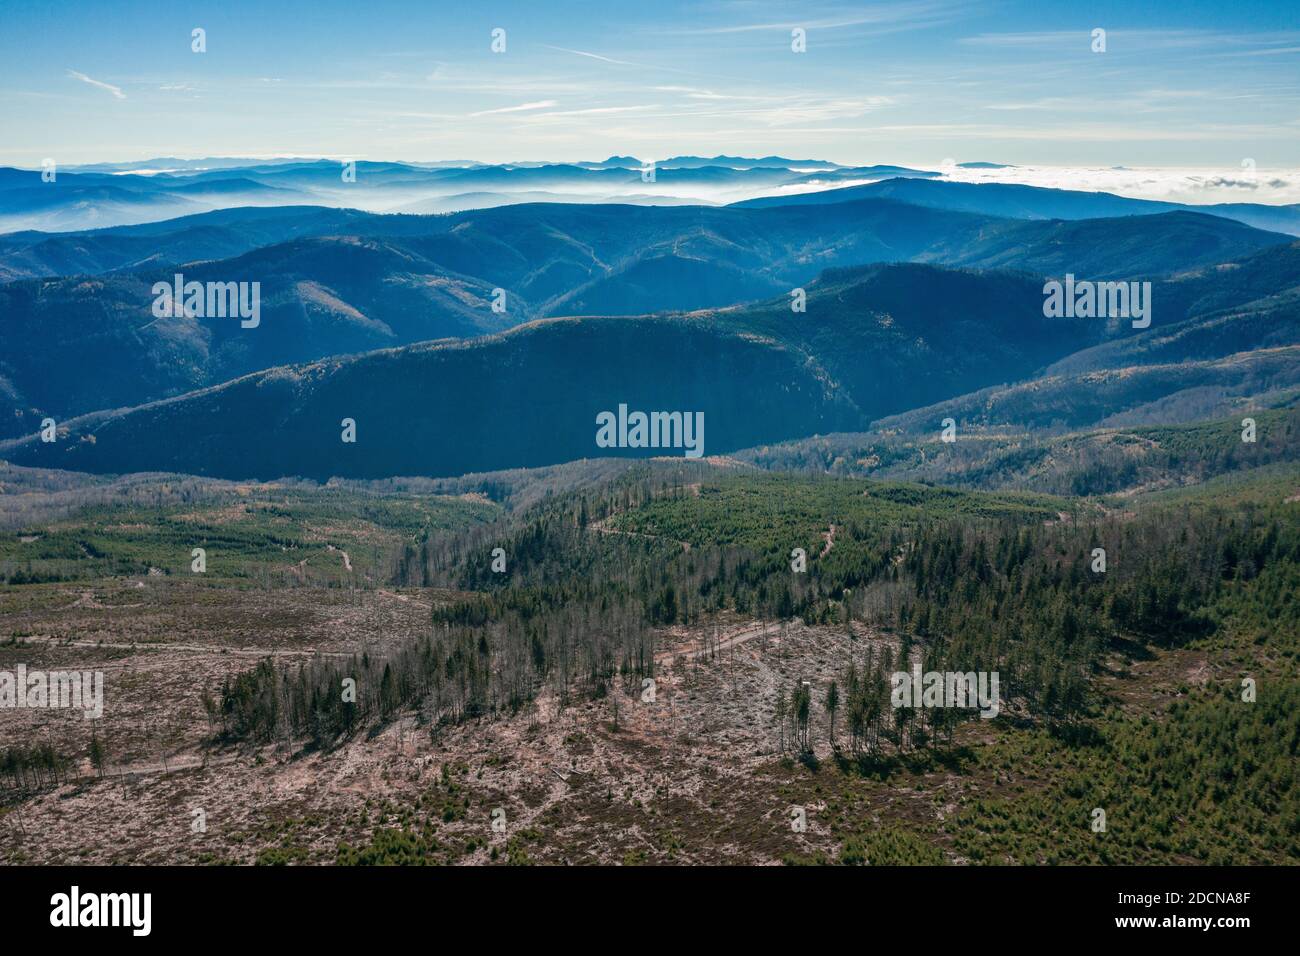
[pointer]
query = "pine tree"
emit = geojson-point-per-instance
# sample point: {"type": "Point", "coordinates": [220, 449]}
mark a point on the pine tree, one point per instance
{"type": "Point", "coordinates": [832, 705]}
{"type": "Point", "coordinates": [96, 752]}
{"type": "Point", "coordinates": [780, 715]}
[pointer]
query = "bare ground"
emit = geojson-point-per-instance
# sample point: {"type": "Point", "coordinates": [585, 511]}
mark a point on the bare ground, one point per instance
{"type": "Point", "coordinates": [692, 774]}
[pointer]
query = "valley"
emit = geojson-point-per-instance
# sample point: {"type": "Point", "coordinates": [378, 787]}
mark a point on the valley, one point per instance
{"type": "Point", "coordinates": [435, 563]}
{"type": "Point", "coordinates": [592, 769]}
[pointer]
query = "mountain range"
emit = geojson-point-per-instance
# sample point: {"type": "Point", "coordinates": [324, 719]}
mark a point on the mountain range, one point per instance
{"type": "Point", "coordinates": [1018, 201]}
{"type": "Point", "coordinates": [395, 280]}
{"type": "Point", "coordinates": [491, 338]}
{"type": "Point", "coordinates": [106, 195]}
{"type": "Point", "coordinates": [874, 341]}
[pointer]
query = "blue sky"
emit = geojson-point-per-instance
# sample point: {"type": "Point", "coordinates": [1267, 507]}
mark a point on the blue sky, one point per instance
{"type": "Point", "coordinates": [1185, 84]}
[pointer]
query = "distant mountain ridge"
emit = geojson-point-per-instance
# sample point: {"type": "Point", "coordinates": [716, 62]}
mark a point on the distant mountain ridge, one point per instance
{"type": "Point", "coordinates": [477, 340]}
{"type": "Point", "coordinates": [408, 279]}
{"type": "Point", "coordinates": [875, 341]}
{"type": "Point", "coordinates": [109, 194]}
{"type": "Point", "coordinates": [1016, 201]}
{"type": "Point", "coordinates": [105, 195]}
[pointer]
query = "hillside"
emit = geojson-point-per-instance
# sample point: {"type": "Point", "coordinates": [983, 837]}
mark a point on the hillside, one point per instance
{"type": "Point", "coordinates": [873, 340]}
{"type": "Point", "coordinates": [317, 297]}
{"type": "Point", "coordinates": [212, 235]}
{"type": "Point", "coordinates": [1123, 247]}
{"type": "Point", "coordinates": [423, 278]}
{"type": "Point", "coordinates": [450, 408]}
{"type": "Point", "coordinates": [534, 242]}
{"type": "Point", "coordinates": [1095, 461]}
{"type": "Point", "coordinates": [916, 342]}
{"type": "Point", "coordinates": [1017, 201]}
{"type": "Point", "coordinates": [1146, 394]}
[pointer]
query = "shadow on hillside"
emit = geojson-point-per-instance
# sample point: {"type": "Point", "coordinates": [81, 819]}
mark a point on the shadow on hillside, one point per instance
{"type": "Point", "coordinates": [884, 766]}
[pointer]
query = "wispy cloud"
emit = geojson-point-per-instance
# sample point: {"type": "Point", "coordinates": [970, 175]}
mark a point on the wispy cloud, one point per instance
{"type": "Point", "coordinates": [692, 93]}
{"type": "Point", "coordinates": [522, 107]}
{"type": "Point", "coordinates": [881, 18]}
{"type": "Point", "coordinates": [609, 59]}
{"type": "Point", "coordinates": [116, 91]}
{"type": "Point", "coordinates": [1038, 39]}
{"type": "Point", "coordinates": [594, 56]}
{"type": "Point", "coordinates": [599, 110]}
{"type": "Point", "coordinates": [1268, 51]}
{"type": "Point", "coordinates": [781, 111]}
{"type": "Point", "coordinates": [1256, 44]}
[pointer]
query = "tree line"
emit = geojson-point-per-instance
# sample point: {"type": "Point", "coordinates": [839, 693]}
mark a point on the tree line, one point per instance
{"type": "Point", "coordinates": [580, 605]}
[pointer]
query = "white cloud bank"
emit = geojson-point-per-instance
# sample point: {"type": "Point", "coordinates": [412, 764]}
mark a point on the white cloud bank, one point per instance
{"type": "Point", "coordinates": [1242, 183]}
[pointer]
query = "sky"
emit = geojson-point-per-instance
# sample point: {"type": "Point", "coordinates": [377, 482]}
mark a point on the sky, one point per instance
{"type": "Point", "coordinates": [1189, 84]}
